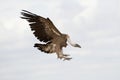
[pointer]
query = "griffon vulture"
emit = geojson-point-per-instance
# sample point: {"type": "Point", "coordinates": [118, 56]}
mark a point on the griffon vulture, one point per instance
{"type": "Point", "coordinates": [45, 31]}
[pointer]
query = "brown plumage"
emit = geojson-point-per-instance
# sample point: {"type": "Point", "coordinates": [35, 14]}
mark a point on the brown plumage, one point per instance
{"type": "Point", "coordinates": [45, 31]}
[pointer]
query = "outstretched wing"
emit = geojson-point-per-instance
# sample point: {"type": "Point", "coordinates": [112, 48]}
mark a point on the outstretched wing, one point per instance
{"type": "Point", "coordinates": [43, 28]}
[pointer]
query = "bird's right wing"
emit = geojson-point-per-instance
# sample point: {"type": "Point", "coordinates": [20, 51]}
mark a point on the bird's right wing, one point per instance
{"type": "Point", "coordinates": [43, 28]}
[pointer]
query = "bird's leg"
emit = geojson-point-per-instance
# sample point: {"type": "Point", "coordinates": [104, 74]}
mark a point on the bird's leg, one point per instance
{"type": "Point", "coordinates": [60, 55]}
{"type": "Point", "coordinates": [63, 56]}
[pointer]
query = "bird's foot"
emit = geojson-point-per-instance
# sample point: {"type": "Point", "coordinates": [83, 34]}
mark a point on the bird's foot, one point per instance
{"type": "Point", "coordinates": [66, 55]}
{"type": "Point", "coordinates": [60, 56]}
{"type": "Point", "coordinates": [67, 58]}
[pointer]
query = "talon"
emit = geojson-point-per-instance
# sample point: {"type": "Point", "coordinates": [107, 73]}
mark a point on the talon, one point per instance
{"type": "Point", "coordinates": [67, 59]}
{"type": "Point", "coordinates": [66, 55]}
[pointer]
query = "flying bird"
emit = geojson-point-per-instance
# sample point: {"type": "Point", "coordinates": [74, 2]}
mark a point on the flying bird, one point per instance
{"type": "Point", "coordinates": [45, 31]}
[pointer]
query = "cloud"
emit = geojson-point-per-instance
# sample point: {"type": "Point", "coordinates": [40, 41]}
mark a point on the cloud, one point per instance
{"type": "Point", "coordinates": [94, 24]}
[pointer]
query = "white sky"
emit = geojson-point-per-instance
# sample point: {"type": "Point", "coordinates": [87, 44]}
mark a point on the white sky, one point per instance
{"type": "Point", "coordinates": [94, 24]}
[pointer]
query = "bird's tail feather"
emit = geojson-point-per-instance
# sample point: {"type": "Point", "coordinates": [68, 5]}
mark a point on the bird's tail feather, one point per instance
{"type": "Point", "coordinates": [47, 48]}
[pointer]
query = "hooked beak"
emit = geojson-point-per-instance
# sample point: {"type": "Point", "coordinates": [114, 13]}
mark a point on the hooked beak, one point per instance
{"type": "Point", "coordinates": [77, 45]}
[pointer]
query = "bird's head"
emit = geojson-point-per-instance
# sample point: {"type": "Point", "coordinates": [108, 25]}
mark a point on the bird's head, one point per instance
{"type": "Point", "coordinates": [72, 43]}
{"type": "Point", "coordinates": [77, 45]}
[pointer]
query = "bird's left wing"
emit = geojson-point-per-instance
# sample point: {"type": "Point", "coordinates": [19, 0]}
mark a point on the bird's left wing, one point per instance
{"type": "Point", "coordinates": [43, 28]}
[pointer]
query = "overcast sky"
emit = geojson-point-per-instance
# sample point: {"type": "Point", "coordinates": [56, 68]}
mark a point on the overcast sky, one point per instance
{"type": "Point", "coordinates": [94, 24]}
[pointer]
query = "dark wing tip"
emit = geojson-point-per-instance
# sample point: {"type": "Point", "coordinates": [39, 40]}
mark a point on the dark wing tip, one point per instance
{"type": "Point", "coordinates": [26, 13]}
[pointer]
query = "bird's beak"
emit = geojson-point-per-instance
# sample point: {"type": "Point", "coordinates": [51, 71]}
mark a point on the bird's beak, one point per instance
{"type": "Point", "coordinates": [77, 45]}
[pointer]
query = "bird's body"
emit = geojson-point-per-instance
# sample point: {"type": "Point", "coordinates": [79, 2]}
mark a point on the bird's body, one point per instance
{"type": "Point", "coordinates": [46, 32]}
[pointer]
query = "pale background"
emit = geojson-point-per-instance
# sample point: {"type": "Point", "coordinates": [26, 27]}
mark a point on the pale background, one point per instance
{"type": "Point", "coordinates": [94, 24]}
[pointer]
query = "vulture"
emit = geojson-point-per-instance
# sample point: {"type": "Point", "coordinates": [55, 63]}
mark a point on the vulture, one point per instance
{"type": "Point", "coordinates": [51, 39]}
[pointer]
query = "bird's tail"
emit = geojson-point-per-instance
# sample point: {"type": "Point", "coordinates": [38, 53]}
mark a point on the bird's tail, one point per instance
{"type": "Point", "coordinates": [47, 48]}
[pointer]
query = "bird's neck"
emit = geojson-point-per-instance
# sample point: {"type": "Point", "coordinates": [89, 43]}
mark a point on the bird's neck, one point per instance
{"type": "Point", "coordinates": [69, 41]}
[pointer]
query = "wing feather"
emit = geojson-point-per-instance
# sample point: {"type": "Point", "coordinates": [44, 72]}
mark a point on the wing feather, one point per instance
{"type": "Point", "coordinates": [43, 28]}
